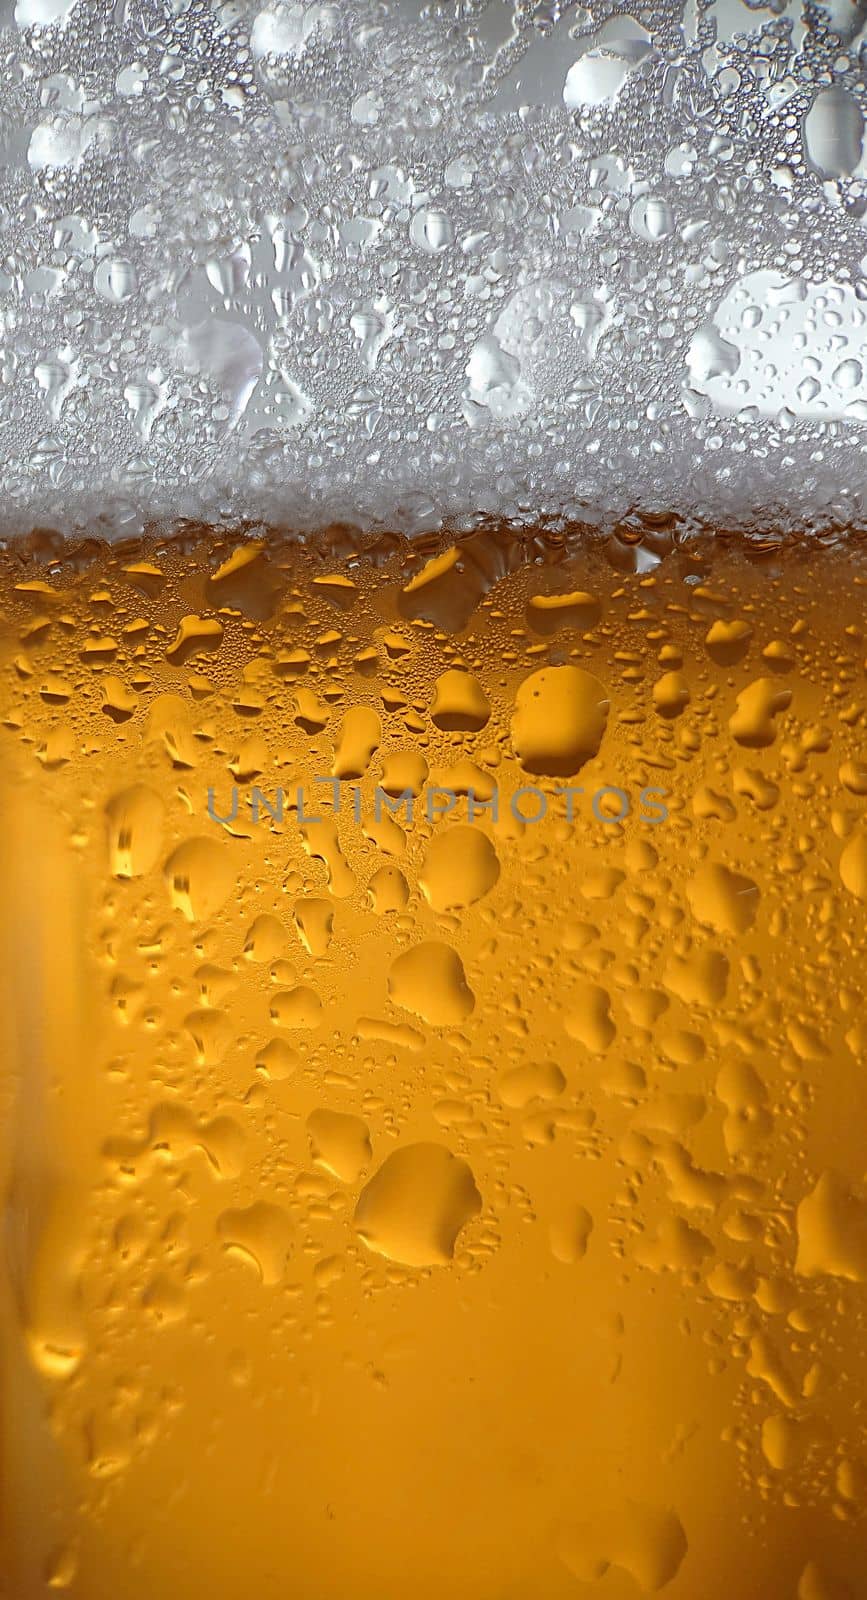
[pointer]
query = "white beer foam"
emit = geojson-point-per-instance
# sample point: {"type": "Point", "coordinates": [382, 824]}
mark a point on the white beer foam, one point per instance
{"type": "Point", "coordinates": [379, 264]}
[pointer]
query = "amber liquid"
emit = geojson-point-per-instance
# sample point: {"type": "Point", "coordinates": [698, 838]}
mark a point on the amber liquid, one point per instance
{"type": "Point", "coordinates": [408, 1192]}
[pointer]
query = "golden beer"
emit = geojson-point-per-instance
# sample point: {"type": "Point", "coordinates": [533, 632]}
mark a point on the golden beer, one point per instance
{"type": "Point", "coordinates": [433, 1057]}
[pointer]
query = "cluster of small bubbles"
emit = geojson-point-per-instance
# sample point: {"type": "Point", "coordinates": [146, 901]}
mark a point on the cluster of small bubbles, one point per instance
{"type": "Point", "coordinates": [413, 263]}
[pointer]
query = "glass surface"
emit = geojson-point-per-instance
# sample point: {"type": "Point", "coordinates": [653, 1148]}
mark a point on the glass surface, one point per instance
{"type": "Point", "coordinates": [432, 800]}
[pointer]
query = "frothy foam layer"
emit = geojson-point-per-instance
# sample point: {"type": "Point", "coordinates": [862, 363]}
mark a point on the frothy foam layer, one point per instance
{"type": "Point", "coordinates": [369, 262]}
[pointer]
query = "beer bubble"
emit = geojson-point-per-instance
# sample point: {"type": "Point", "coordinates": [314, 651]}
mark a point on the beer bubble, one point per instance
{"type": "Point", "coordinates": [429, 980]}
{"type": "Point", "coordinates": [135, 821]}
{"type": "Point", "coordinates": [200, 878]}
{"type": "Point", "coordinates": [559, 719]}
{"type": "Point", "coordinates": [416, 1204]}
{"type": "Point", "coordinates": [460, 868]}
